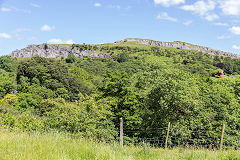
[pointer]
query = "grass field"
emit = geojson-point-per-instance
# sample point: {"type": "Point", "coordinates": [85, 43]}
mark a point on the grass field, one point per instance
{"type": "Point", "coordinates": [55, 146]}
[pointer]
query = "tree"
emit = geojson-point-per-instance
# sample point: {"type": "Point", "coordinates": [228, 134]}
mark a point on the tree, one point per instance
{"type": "Point", "coordinates": [7, 63]}
{"type": "Point", "coordinates": [7, 84]}
{"type": "Point", "coordinates": [71, 58]}
{"type": "Point", "coordinates": [173, 97]}
{"type": "Point", "coordinates": [123, 57]}
{"type": "Point", "coordinates": [117, 88]}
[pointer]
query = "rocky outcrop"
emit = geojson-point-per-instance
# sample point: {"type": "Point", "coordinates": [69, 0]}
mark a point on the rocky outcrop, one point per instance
{"type": "Point", "coordinates": [55, 51]}
{"type": "Point", "coordinates": [60, 50]}
{"type": "Point", "coordinates": [181, 45]}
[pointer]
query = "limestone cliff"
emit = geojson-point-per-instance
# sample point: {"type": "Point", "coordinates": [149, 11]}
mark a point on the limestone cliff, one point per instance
{"type": "Point", "coordinates": [180, 45]}
{"type": "Point", "coordinates": [61, 50]}
{"type": "Point", "coordinates": [55, 51]}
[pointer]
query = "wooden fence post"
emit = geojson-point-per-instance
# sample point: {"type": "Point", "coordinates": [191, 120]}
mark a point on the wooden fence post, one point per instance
{"type": "Point", "coordinates": [121, 132]}
{"type": "Point", "coordinates": [222, 134]}
{"type": "Point", "coordinates": [166, 141]}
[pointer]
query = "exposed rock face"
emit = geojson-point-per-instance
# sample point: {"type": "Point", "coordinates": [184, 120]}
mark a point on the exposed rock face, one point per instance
{"type": "Point", "coordinates": [181, 45]}
{"type": "Point", "coordinates": [54, 51]}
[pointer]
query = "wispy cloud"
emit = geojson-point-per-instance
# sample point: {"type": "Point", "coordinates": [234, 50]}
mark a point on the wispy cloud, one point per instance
{"type": "Point", "coordinates": [5, 9]}
{"type": "Point", "coordinates": [35, 5]}
{"type": "Point", "coordinates": [187, 23]}
{"type": "Point", "coordinates": [230, 7]}
{"type": "Point", "coordinates": [223, 37]}
{"type": "Point", "coordinates": [8, 9]}
{"type": "Point", "coordinates": [235, 30]}
{"type": "Point", "coordinates": [235, 47]}
{"type": "Point", "coordinates": [128, 7]}
{"type": "Point", "coordinates": [165, 16]}
{"type": "Point", "coordinates": [21, 10]}
{"type": "Point", "coordinates": [47, 28]}
{"type": "Point", "coordinates": [97, 4]}
{"type": "Point", "coordinates": [114, 6]}
{"type": "Point", "coordinates": [167, 3]}
{"type": "Point", "coordinates": [211, 16]}
{"type": "Point", "coordinates": [220, 24]}
{"type": "Point", "coordinates": [18, 33]}
{"type": "Point", "coordinates": [60, 41]}
{"type": "Point", "coordinates": [200, 7]}
{"type": "Point", "coordinates": [22, 30]}
{"type": "Point", "coordinates": [203, 9]}
{"type": "Point", "coordinates": [5, 35]}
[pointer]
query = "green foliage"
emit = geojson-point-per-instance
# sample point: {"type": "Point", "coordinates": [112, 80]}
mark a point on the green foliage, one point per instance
{"type": "Point", "coordinates": [71, 58]}
{"type": "Point", "coordinates": [7, 63]}
{"type": "Point", "coordinates": [7, 84]}
{"type": "Point", "coordinates": [117, 88]}
{"type": "Point", "coordinates": [27, 101]}
{"type": "Point", "coordinates": [9, 99]}
{"type": "Point", "coordinates": [147, 86]}
{"type": "Point", "coordinates": [123, 57]}
{"type": "Point", "coordinates": [173, 97]}
{"type": "Point", "coordinates": [49, 73]}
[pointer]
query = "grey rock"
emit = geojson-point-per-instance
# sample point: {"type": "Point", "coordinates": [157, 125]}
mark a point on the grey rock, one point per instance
{"type": "Point", "coordinates": [60, 50]}
{"type": "Point", "coordinates": [180, 45]}
{"type": "Point", "coordinates": [55, 51]}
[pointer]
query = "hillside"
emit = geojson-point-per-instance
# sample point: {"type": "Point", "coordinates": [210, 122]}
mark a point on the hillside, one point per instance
{"type": "Point", "coordinates": [87, 90]}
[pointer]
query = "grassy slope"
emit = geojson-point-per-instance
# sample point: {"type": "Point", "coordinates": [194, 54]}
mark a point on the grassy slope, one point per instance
{"type": "Point", "coordinates": [53, 146]}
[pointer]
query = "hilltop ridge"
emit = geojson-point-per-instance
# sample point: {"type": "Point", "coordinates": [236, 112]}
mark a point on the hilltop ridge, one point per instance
{"type": "Point", "coordinates": [180, 45]}
{"type": "Point", "coordinates": [61, 50]}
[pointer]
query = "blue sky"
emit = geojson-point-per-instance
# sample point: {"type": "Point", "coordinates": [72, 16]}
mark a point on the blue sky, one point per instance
{"type": "Point", "coordinates": [212, 23]}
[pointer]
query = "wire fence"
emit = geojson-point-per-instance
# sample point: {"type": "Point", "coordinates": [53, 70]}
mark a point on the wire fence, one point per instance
{"type": "Point", "coordinates": [167, 137]}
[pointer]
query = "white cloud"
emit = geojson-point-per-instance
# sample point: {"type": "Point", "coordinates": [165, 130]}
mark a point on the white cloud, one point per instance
{"type": "Point", "coordinates": [22, 30]}
{"type": "Point", "coordinates": [14, 9]}
{"type": "Point", "coordinates": [32, 39]}
{"type": "Point", "coordinates": [220, 24]}
{"type": "Point", "coordinates": [230, 7]}
{"type": "Point", "coordinates": [18, 33]}
{"type": "Point", "coordinates": [97, 4]}
{"type": "Point", "coordinates": [69, 42]}
{"type": "Point", "coordinates": [235, 47]}
{"type": "Point", "coordinates": [114, 6]}
{"type": "Point", "coordinates": [60, 41]}
{"type": "Point", "coordinates": [167, 3]}
{"type": "Point", "coordinates": [47, 28]}
{"type": "Point", "coordinates": [165, 16]}
{"type": "Point", "coordinates": [55, 41]}
{"type": "Point", "coordinates": [203, 9]}
{"type": "Point", "coordinates": [18, 36]}
{"type": "Point", "coordinates": [211, 17]}
{"type": "Point", "coordinates": [200, 7]}
{"type": "Point", "coordinates": [128, 7]}
{"type": "Point", "coordinates": [235, 30]}
{"type": "Point", "coordinates": [5, 9]}
{"type": "Point", "coordinates": [21, 10]}
{"type": "Point", "coordinates": [35, 5]}
{"type": "Point", "coordinates": [187, 23]}
{"type": "Point", "coordinates": [5, 35]}
{"type": "Point", "coordinates": [223, 37]}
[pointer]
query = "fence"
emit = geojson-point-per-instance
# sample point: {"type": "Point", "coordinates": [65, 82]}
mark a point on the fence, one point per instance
{"type": "Point", "coordinates": [170, 137]}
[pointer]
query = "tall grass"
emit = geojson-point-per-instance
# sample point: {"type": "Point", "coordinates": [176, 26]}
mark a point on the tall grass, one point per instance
{"type": "Point", "coordinates": [56, 146]}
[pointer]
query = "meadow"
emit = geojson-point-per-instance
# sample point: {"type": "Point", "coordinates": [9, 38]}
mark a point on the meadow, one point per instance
{"type": "Point", "coordinates": [59, 146]}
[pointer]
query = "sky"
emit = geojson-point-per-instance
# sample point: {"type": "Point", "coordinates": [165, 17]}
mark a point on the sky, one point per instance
{"type": "Point", "coordinates": [211, 23]}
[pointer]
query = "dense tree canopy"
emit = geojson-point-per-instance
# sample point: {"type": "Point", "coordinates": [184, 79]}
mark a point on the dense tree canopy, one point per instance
{"type": "Point", "coordinates": [147, 86]}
